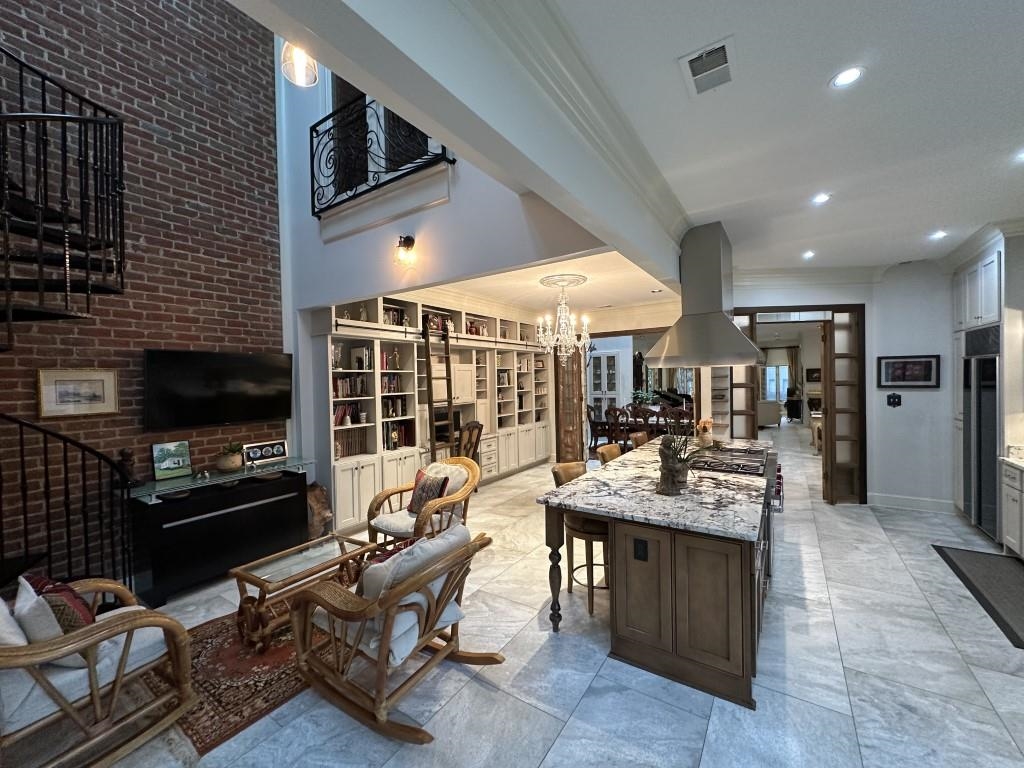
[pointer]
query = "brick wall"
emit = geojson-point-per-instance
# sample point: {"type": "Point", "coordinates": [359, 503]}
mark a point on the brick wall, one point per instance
{"type": "Point", "coordinates": [194, 82]}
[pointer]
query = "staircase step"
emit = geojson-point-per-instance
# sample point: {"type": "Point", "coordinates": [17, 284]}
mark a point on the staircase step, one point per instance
{"type": "Point", "coordinates": [55, 236]}
{"type": "Point", "coordinates": [12, 567]}
{"type": "Point", "coordinates": [56, 285]}
{"type": "Point", "coordinates": [33, 313]}
{"type": "Point", "coordinates": [97, 264]}
{"type": "Point", "coordinates": [25, 208]}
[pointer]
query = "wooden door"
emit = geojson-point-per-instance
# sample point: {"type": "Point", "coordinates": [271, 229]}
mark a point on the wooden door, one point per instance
{"type": "Point", "coordinates": [843, 418]}
{"type": "Point", "coordinates": [569, 409]}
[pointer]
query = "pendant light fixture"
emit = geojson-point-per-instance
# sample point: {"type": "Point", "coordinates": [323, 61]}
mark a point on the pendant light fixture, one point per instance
{"type": "Point", "coordinates": [561, 337]}
{"type": "Point", "coordinates": [297, 67]}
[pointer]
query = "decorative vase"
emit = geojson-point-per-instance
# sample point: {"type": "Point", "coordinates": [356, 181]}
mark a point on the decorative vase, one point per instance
{"type": "Point", "coordinates": [674, 471]}
{"type": "Point", "coordinates": [229, 462]}
{"type": "Point", "coordinates": [705, 439]}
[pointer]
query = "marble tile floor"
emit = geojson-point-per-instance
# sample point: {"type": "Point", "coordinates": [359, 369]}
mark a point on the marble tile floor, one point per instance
{"type": "Point", "coordinates": [873, 654]}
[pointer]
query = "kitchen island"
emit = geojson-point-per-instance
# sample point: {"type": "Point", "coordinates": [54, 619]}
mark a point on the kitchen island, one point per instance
{"type": "Point", "coordinates": [689, 573]}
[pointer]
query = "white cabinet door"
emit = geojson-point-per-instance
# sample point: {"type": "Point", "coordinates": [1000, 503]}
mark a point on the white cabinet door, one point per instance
{"type": "Point", "coordinates": [368, 483]}
{"type": "Point", "coordinates": [988, 289]}
{"type": "Point", "coordinates": [958, 464]}
{"type": "Point", "coordinates": [527, 444]}
{"type": "Point", "coordinates": [972, 296]}
{"type": "Point", "coordinates": [391, 470]}
{"type": "Point", "coordinates": [959, 301]}
{"type": "Point", "coordinates": [543, 434]}
{"type": "Point", "coordinates": [508, 451]}
{"type": "Point", "coordinates": [1011, 518]}
{"type": "Point", "coordinates": [463, 383]}
{"type": "Point", "coordinates": [345, 502]}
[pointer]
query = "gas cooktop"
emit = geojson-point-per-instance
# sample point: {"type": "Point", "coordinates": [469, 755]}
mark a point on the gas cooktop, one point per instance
{"type": "Point", "coordinates": [743, 461]}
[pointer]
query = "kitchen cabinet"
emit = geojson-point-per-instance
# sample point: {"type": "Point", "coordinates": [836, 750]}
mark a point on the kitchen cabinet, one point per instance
{"type": "Point", "coordinates": [488, 456]}
{"type": "Point", "coordinates": [508, 450]}
{"type": "Point", "coordinates": [1011, 507]}
{"type": "Point", "coordinates": [355, 483]}
{"type": "Point", "coordinates": [977, 294]}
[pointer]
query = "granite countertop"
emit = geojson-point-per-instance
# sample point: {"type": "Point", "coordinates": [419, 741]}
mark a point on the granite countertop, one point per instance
{"type": "Point", "coordinates": [1013, 461]}
{"type": "Point", "coordinates": [717, 503]}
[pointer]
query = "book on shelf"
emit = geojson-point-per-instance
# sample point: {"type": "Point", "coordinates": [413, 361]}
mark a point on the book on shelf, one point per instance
{"type": "Point", "coordinates": [349, 443]}
{"type": "Point", "coordinates": [362, 358]}
{"type": "Point", "coordinates": [393, 316]}
{"type": "Point", "coordinates": [349, 386]}
{"type": "Point", "coordinates": [347, 409]}
{"type": "Point", "coordinates": [398, 436]}
{"type": "Point", "coordinates": [390, 382]}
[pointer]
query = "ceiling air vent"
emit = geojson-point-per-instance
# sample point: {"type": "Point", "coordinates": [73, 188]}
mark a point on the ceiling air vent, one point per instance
{"type": "Point", "coordinates": [710, 69]}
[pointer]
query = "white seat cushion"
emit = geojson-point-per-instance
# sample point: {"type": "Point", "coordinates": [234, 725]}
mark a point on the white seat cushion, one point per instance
{"type": "Point", "coordinates": [23, 702]}
{"type": "Point", "coordinates": [457, 478]}
{"type": "Point", "coordinates": [401, 524]}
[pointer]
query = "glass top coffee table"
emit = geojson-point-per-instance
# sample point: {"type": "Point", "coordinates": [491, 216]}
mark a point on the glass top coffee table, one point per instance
{"type": "Point", "coordinates": [278, 577]}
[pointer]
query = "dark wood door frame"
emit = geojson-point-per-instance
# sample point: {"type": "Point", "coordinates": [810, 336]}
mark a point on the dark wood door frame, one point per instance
{"type": "Point", "coordinates": [859, 310]}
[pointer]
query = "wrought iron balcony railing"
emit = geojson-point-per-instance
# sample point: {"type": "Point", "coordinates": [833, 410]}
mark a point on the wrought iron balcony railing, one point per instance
{"type": "Point", "coordinates": [363, 146]}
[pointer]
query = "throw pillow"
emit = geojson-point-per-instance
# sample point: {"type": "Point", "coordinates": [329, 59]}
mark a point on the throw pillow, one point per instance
{"type": "Point", "coordinates": [428, 488]}
{"type": "Point", "coordinates": [39, 621]}
{"type": "Point", "coordinates": [10, 631]}
{"type": "Point", "coordinates": [386, 553]}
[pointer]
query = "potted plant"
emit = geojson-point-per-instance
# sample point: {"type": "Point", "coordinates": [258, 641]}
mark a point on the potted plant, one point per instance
{"type": "Point", "coordinates": [642, 397]}
{"type": "Point", "coordinates": [676, 451]}
{"type": "Point", "coordinates": [230, 458]}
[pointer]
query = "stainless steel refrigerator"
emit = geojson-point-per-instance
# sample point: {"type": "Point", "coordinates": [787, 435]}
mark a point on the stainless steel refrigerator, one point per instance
{"type": "Point", "coordinates": [981, 428]}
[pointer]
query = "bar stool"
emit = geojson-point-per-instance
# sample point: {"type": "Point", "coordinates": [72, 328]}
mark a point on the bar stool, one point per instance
{"type": "Point", "coordinates": [607, 453]}
{"type": "Point", "coordinates": [638, 438]}
{"type": "Point", "coordinates": [587, 529]}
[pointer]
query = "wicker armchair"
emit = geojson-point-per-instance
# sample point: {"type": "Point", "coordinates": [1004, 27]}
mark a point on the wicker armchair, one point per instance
{"type": "Point", "coordinates": [411, 604]}
{"type": "Point", "coordinates": [386, 515]}
{"type": "Point", "coordinates": [34, 693]}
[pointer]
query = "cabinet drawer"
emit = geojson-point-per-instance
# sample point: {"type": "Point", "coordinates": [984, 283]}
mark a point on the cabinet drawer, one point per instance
{"type": "Point", "coordinates": [1011, 476]}
{"type": "Point", "coordinates": [488, 470]}
{"type": "Point", "coordinates": [490, 457]}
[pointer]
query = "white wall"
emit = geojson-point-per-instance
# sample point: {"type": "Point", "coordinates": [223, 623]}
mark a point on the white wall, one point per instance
{"type": "Point", "coordinates": [908, 311]}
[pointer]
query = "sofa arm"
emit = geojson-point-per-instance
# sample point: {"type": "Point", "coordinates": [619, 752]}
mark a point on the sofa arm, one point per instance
{"type": "Point", "coordinates": [86, 639]}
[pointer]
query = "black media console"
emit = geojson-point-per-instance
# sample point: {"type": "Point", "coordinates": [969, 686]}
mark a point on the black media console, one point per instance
{"type": "Point", "coordinates": [179, 543]}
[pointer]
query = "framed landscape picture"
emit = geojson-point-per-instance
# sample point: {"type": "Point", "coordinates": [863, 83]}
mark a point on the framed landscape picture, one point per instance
{"type": "Point", "coordinates": [813, 375]}
{"type": "Point", "coordinates": [908, 371]}
{"type": "Point", "coordinates": [171, 460]}
{"type": "Point", "coordinates": [77, 391]}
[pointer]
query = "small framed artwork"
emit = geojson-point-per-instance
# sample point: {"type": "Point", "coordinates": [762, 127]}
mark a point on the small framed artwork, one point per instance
{"type": "Point", "coordinates": [171, 460]}
{"type": "Point", "coordinates": [813, 376]}
{"type": "Point", "coordinates": [908, 371]}
{"type": "Point", "coordinates": [77, 391]}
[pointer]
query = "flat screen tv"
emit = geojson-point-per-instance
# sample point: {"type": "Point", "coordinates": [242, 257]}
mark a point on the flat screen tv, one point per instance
{"type": "Point", "coordinates": [199, 389]}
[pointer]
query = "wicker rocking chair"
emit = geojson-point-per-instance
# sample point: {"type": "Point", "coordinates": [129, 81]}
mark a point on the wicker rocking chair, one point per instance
{"type": "Point", "coordinates": [411, 603]}
{"type": "Point", "coordinates": [119, 647]}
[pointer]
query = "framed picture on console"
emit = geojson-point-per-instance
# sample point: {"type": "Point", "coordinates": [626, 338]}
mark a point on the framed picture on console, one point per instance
{"type": "Point", "coordinates": [77, 392]}
{"type": "Point", "coordinates": [171, 460]}
{"type": "Point", "coordinates": [908, 371]}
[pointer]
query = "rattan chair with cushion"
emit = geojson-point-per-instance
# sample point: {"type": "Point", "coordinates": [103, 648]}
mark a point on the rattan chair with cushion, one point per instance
{"type": "Point", "coordinates": [386, 515]}
{"type": "Point", "coordinates": [587, 529]}
{"type": "Point", "coordinates": [608, 453]}
{"type": "Point", "coordinates": [83, 676]}
{"type": "Point", "coordinates": [408, 604]}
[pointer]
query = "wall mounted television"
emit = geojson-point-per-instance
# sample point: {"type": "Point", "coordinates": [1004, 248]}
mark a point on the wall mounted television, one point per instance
{"type": "Point", "coordinates": [185, 388]}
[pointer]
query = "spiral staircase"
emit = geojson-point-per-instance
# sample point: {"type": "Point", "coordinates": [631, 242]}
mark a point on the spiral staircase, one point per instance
{"type": "Point", "coordinates": [61, 199]}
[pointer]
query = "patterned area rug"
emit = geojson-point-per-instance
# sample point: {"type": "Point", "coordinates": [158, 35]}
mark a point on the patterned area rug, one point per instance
{"type": "Point", "coordinates": [235, 685]}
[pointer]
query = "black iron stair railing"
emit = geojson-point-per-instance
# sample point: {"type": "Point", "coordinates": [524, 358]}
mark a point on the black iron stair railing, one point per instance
{"type": "Point", "coordinates": [363, 146]}
{"type": "Point", "coordinates": [63, 507]}
{"type": "Point", "coordinates": [61, 197]}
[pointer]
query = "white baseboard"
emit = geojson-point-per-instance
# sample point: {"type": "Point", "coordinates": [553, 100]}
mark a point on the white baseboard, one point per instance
{"type": "Point", "coordinates": [916, 503]}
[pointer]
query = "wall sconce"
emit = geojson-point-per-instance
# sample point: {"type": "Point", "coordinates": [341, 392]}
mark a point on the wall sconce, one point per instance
{"type": "Point", "coordinates": [298, 67]}
{"type": "Point", "coordinates": [404, 253]}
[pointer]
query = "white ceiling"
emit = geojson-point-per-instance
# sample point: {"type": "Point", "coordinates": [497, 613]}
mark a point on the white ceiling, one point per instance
{"type": "Point", "coordinates": [611, 279]}
{"type": "Point", "coordinates": [926, 140]}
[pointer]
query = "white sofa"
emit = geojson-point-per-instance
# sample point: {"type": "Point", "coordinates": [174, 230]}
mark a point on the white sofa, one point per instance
{"type": "Point", "coordinates": [769, 413]}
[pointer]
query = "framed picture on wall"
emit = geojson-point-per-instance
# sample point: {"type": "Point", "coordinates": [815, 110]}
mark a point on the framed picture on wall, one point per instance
{"type": "Point", "coordinates": [77, 392]}
{"type": "Point", "coordinates": [813, 375]}
{"type": "Point", "coordinates": [908, 371]}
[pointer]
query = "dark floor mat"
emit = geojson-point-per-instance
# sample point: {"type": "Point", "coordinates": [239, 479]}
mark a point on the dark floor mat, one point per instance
{"type": "Point", "coordinates": [997, 581]}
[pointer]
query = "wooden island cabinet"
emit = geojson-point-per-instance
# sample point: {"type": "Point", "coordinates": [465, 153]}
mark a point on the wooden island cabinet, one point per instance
{"type": "Point", "coordinates": [689, 573]}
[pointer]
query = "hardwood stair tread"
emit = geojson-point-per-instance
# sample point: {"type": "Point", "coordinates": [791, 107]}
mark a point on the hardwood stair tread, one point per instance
{"type": "Point", "coordinates": [56, 285]}
{"type": "Point", "coordinates": [55, 235]}
{"type": "Point", "coordinates": [77, 261]}
{"type": "Point", "coordinates": [33, 313]}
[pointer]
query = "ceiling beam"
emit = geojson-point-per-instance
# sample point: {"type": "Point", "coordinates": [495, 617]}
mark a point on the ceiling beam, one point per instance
{"type": "Point", "coordinates": [443, 67]}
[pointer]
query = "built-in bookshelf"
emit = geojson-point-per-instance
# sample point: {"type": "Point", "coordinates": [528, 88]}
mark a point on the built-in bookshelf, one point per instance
{"type": "Point", "coordinates": [542, 394]}
{"type": "Point", "coordinates": [721, 402]}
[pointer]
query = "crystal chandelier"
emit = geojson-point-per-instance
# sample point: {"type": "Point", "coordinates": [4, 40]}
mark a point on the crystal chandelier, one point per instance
{"type": "Point", "coordinates": [562, 336]}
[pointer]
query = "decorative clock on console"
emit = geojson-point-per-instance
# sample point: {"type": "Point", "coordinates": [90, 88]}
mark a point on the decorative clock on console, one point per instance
{"type": "Point", "coordinates": [260, 453]}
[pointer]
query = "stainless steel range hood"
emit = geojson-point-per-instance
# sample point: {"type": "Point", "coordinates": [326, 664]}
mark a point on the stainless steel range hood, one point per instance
{"type": "Point", "coordinates": [705, 334]}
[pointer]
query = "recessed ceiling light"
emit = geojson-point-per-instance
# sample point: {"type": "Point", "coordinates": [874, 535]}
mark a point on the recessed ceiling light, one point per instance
{"type": "Point", "coordinates": [1019, 157]}
{"type": "Point", "coordinates": [821, 198]}
{"type": "Point", "coordinates": [847, 77]}
{"type": "Point", "coordinates": [938, 234]}
{"type": "Point", "coordinates": [808, 255]}
{"type": "Point", "coordinates": [656, 290]}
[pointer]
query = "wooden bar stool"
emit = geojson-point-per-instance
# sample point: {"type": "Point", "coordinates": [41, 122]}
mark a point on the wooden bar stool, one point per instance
{"type": "Point", "coordinates": [584, 528]}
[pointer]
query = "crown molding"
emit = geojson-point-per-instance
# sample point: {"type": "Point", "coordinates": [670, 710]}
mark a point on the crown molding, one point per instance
{"type": "Point", "coordinates": [982, 240]}
{"type": "Point", "coordinates": [1011, 227]}
{"type": "Point", "coordinates": [538, 37]}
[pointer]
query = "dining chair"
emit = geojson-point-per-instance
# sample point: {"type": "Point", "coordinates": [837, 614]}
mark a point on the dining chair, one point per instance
{"type": "Point", "coordinates": [618, 426]}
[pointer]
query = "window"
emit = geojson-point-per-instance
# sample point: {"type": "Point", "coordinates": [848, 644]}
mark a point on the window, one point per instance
{"type": "Point", "coordinates": [774, 382]}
